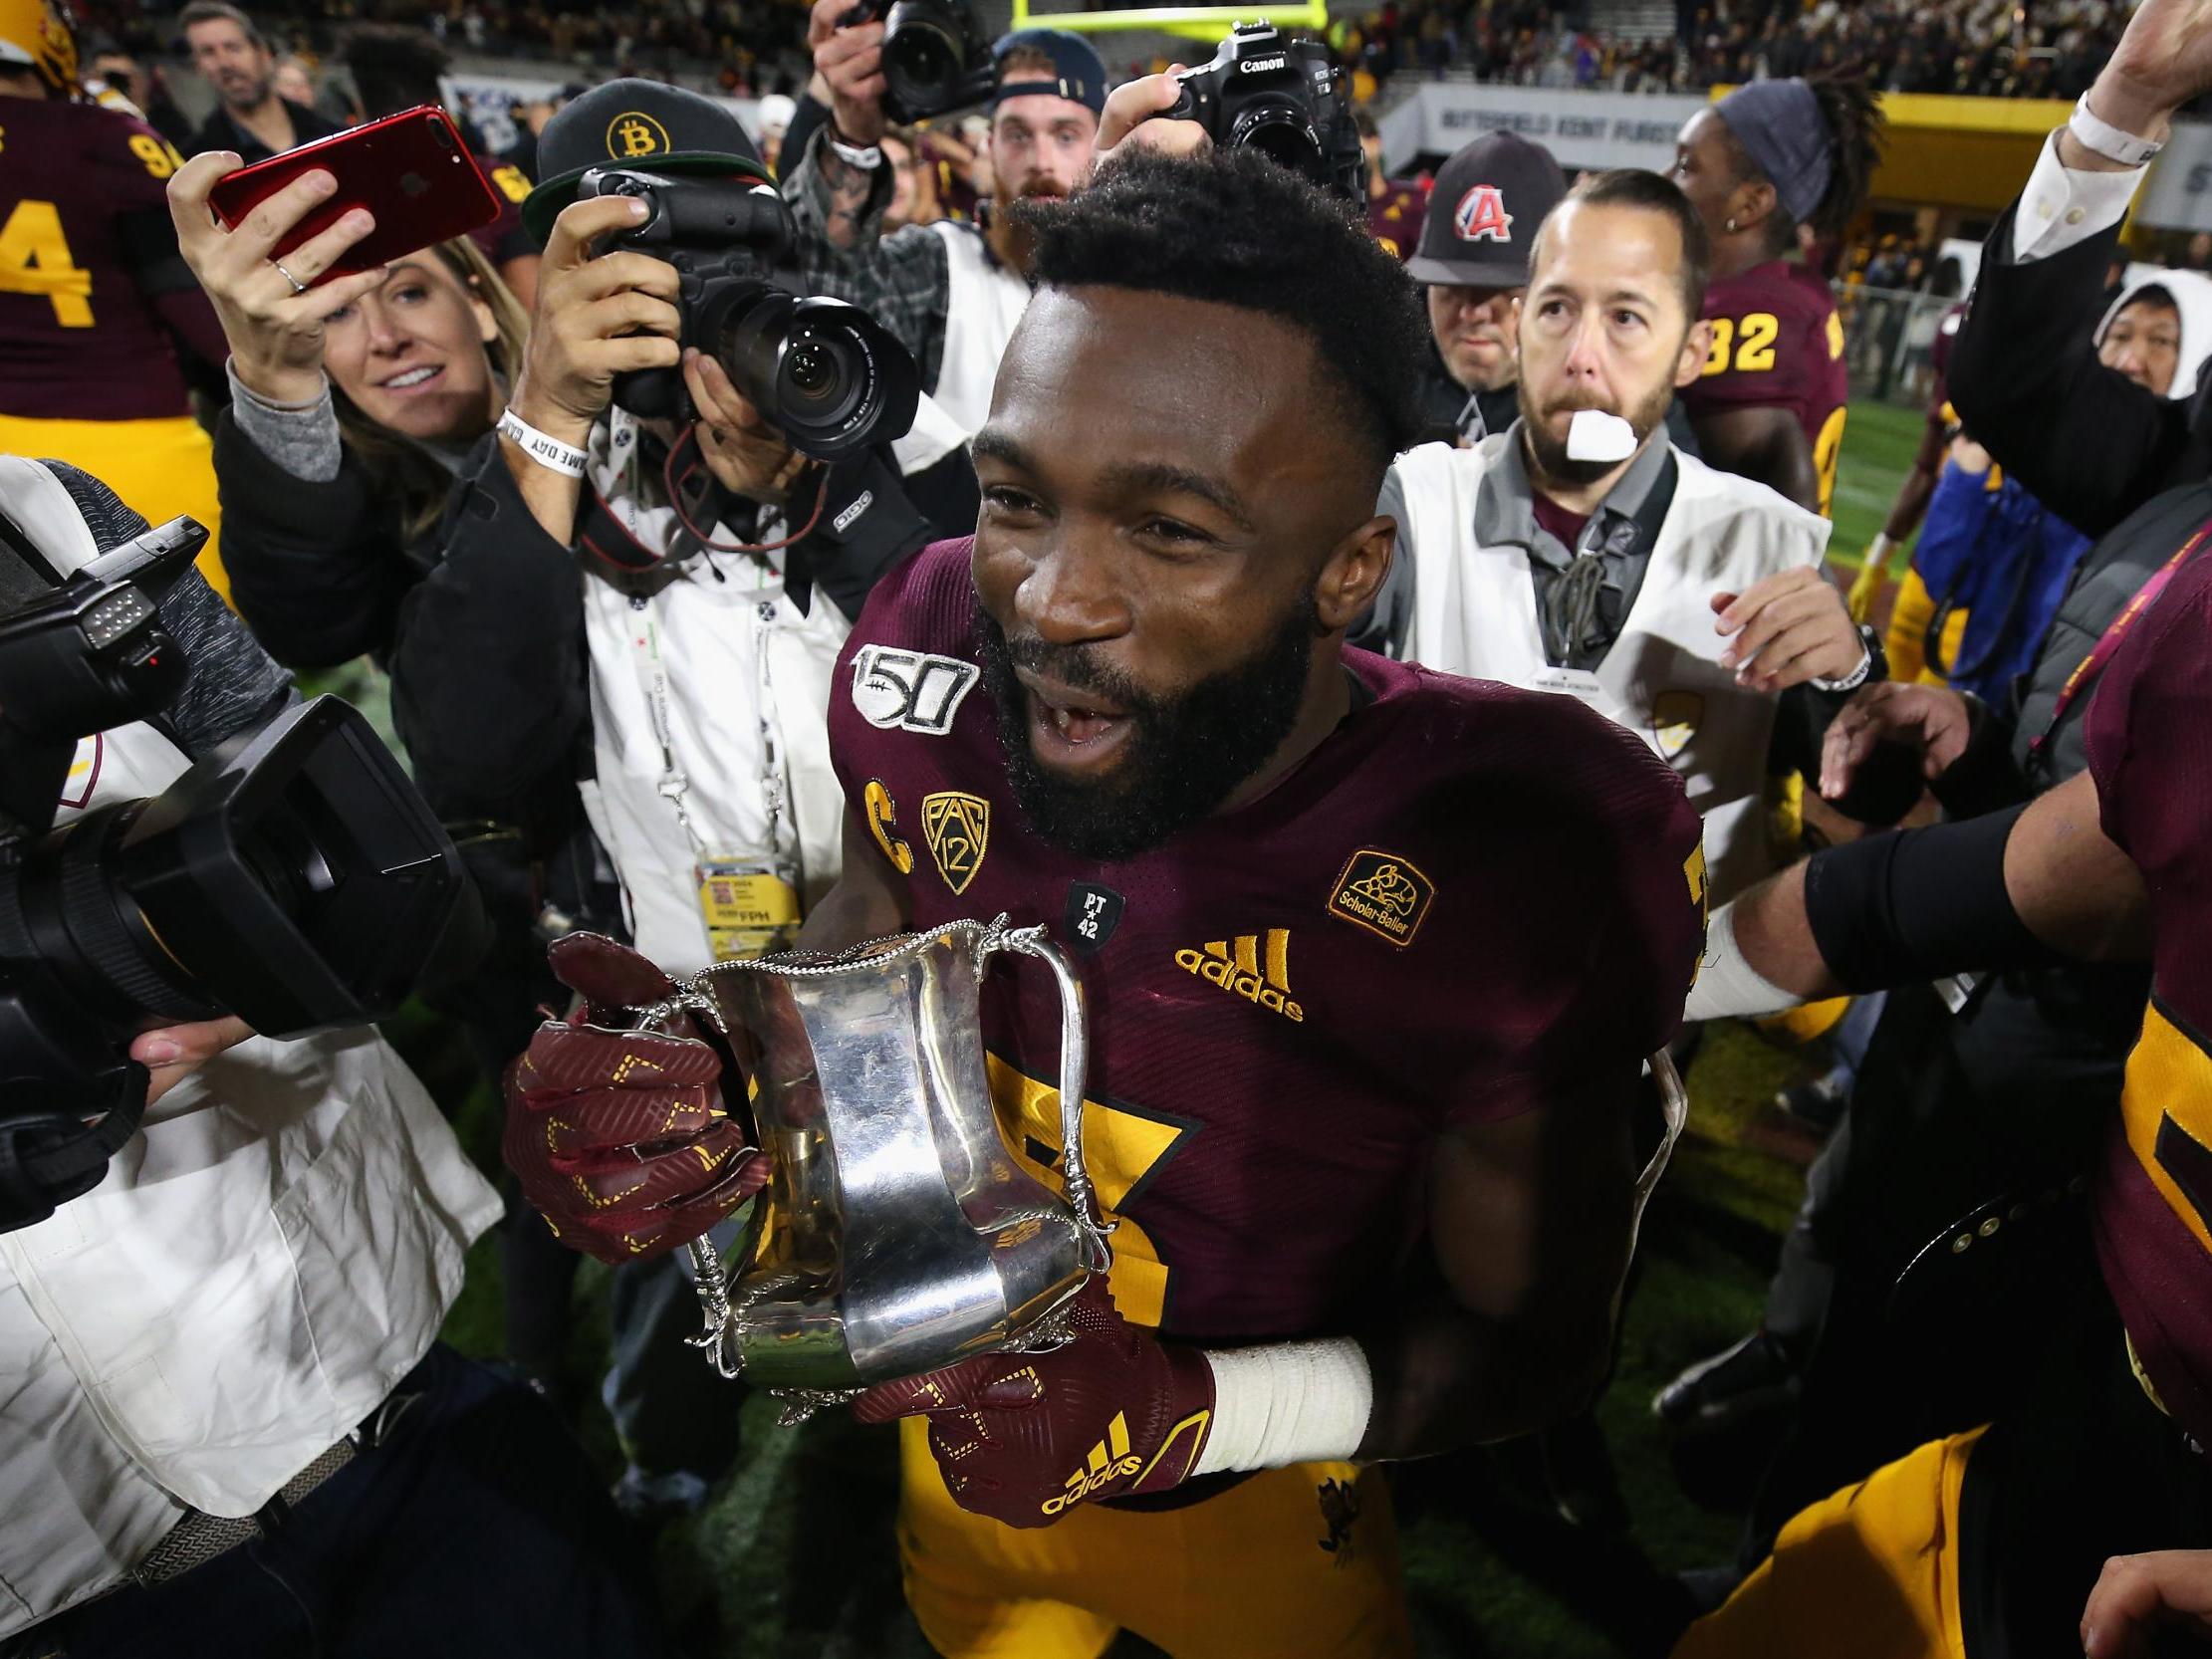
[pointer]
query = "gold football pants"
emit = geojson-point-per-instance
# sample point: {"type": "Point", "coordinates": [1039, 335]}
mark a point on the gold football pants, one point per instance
{"type": "Point", "coordinates": [160, 468]}
{"type": "Point", "coordinates": [1869, 1572]}
{"type": "Point", "coordinates": [1291, 1562]}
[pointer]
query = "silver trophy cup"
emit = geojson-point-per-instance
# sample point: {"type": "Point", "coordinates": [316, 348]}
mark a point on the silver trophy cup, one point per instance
{"type": "Point", "coordinates": [895, 1233]}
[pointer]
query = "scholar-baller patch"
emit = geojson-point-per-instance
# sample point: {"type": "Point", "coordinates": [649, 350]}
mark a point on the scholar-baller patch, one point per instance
{"type": "Point", "coordinates": [1383, 894]}
{"type": "Point", "coordinates": [957, 826]}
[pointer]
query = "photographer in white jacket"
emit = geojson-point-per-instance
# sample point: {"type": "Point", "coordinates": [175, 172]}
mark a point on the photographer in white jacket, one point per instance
{"type": "Point", "coordinates": [226, 1424]}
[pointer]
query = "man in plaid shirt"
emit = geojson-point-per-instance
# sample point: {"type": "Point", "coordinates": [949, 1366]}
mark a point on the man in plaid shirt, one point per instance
{"type": "Point", "coordinates": [952, 292]}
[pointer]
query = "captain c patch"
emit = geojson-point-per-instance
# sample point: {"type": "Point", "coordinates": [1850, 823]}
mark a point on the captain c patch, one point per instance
{"type": "Point", "coordinates": [1383, 894]}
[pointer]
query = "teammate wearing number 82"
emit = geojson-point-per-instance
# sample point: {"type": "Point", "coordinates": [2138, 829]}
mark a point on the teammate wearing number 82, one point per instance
{"type": "Point", "coordinates": [1768, 162]}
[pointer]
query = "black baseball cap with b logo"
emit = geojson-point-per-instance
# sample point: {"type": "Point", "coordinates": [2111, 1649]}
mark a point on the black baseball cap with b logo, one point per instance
{"type": "Point", "coordinates": [1484, 211]}
{"type": "Point", "coordinates": [635, 124]}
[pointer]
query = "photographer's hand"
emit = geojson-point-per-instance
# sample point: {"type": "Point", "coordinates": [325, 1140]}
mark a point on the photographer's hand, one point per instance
{"type": "Point", "coordinates": [174, 1053]}
{"type": "Point", "coordinates": [594, 319]}
{"type": "Point", "coordinates": [1127, 121]}
{"type": "Point", "coordinates": [747, 455]}
{"type": "Point", "coordinates": [275, 331]}
{"type": "Point", "coordinates": [850, 64]}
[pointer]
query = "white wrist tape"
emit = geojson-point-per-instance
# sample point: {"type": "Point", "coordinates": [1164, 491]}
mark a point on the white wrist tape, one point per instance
{"type": "Point", "coordinates": [2101, 136]}
{"type": "Point", "coordinates": [1878, 553]}
{"type": "Point", "coordinates": [1285, 1403]}
{"type": "Point", "coordinates": [1727, 986]}
{"type": "Point", "coordinates": [867, 157]}
{"type": "Point", "coordinates": [546, 450]}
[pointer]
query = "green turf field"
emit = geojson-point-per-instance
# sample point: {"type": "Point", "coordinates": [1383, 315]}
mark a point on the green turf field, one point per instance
{"type": "Point", "coordinates": [1879, 440]}
{"type": "Point", "coordinates": [793, 1556]}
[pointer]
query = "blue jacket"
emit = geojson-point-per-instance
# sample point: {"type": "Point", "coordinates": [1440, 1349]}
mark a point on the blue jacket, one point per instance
{"type": "Point", "coordinates": [2004, 559]}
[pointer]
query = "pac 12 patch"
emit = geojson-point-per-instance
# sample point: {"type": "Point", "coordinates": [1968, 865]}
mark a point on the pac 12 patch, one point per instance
{"type": "Point", "coordinates": [1383, 894]}
{"type": "Point", "coordinates": [957, 826]}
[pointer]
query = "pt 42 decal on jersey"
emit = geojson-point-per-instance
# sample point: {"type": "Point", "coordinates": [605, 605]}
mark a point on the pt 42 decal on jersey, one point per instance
{"type": "Point", "coordinates": [910, 691]}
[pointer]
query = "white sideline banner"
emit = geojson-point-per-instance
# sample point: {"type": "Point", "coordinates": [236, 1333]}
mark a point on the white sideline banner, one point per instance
{"type": "Point", "coordinates": [1580, 129]}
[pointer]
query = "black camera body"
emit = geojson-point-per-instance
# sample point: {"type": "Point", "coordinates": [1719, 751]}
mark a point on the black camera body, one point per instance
{"type": "Point", "coordinates": [830, 378]}
{"type": "Point", "coordinates": [1282, 96]}
{"type": "Point", "coordinates": [936, 57]}
{"type": "Point", "coordinates": [297, 881]}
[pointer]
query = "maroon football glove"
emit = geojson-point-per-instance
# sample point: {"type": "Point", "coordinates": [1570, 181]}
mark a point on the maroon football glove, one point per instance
{"type": "Point", "coordinates": [1025, 1437]}
{"type": "Point", "coordinates": [619, 1137]}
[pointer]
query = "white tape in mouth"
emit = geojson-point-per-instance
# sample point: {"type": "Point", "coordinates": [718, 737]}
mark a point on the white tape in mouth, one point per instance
{"type": "Point", "coordinates": [1593, 435]}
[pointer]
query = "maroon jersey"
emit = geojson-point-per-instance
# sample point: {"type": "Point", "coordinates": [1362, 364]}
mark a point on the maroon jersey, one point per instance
{"type": "Point", "coordinates": [1778, 343]}
{"type": "Point", "coordinates": [505, 239]}
{"type": "Point", "coordinates": [1466, 896]}
{"type": "Point", "coordinates": [2154, 1201]}
{"type": "Point", "coordinates": [1394, 217]}
{"type": "Point", "coordinates": [83, 222]}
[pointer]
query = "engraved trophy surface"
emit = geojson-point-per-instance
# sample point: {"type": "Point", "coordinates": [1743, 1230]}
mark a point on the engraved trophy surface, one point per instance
{"type": "Point", "coordinates": [895, 1233]}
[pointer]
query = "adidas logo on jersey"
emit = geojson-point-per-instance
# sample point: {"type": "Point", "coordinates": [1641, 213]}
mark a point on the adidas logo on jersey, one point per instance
{"type": "Point", "coordinates": [1108, 1462]}
{"type": "Point", "coordinates": [1235, 965]}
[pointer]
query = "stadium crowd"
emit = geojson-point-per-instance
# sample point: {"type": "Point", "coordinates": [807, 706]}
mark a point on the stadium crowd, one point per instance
{"type": "Point", "coordinates": [1375, 644]}
{"type": "Point", "coordinates": [1980, 48]}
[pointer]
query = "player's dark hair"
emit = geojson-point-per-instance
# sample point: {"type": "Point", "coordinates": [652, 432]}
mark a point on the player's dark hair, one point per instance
{"type": "Point", "coordinates": [394, 67]}
{"type": "Point", "coordinates": [1232, 227]}
{"type": "Point", "coordinates": [1653, 193]}
{"type": "Point", "coordinates": [214, 11]}
{"type": "Point", "coordinates": [1851, 111]}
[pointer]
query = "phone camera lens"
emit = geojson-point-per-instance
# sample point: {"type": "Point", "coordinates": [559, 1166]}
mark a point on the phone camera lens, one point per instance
{"type": "Point", "coordinates": [442, 134]}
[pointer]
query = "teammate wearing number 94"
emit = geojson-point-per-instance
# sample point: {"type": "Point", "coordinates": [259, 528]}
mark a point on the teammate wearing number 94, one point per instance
{"type": "Point", "coordinates": [1373, 956]}
{"type": "Point", "coordinates": [100, 320]}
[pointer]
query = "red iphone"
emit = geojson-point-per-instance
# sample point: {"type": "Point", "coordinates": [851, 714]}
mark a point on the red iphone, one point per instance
{"type": "Point", "coordinates": [410, 170]}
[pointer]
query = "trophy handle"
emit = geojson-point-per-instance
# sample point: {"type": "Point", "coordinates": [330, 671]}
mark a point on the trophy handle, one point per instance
{"type": "Point", "coordinates": [1075, 1065]}
{"type": "Point", "coordinates": [1674, 1106]}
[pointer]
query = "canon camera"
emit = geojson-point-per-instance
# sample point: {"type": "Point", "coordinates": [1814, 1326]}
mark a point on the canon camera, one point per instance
{"type": "Point", "coordinates": [1282, 96]}
{"type": "Point", "coordinates": [827, 374]}
{"type": "Point", "coordinates": [298, 881]}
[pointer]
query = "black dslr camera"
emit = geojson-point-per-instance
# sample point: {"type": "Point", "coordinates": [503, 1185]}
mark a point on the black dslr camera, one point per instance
{"type": "Point", "coordinates": [298, 882]}
{"type": "Point", "coordinates": [936, 57]}
{"type": "Point", "coordinates": [825, 374]}
{"type": "Point", "coordinates": [1282, 96]}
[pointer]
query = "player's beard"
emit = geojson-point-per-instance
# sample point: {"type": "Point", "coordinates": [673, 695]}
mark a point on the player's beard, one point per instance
{"type": "Point", "coordinates": [1548, 455]}
{"type": "Point", "coordinates": [1011, 237]}
{"type": "Point", "coordinates": [1184, 754]}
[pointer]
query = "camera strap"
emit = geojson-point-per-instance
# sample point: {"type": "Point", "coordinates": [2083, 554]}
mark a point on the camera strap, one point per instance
{"type": "Point", "coordinates": [46, 1161]}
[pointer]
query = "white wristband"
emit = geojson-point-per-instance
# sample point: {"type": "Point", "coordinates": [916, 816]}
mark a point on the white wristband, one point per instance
{"type": "Point", "coordinates": [1727, 986]}
{"type": "Point", "coordinates": [867, 157]}
{"type": "Point", "coordinates": [2104, 139]}
{"type": "Point", "coordinates": [546, 450]}
{"type": "Point", "coordinates": [1850, 681]}
{"type": "Point", "coordinates": [1285, 1403]}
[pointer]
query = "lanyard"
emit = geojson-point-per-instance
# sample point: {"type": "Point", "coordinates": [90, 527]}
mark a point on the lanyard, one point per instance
{"type": "Point", "coordinates": [652, 679]}
{"type": "Point", "coordinates": [2101, 653]}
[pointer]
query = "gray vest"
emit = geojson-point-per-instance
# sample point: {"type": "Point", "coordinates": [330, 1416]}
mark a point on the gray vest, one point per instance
{"type": "Point", "coordinates": [2107, 578]}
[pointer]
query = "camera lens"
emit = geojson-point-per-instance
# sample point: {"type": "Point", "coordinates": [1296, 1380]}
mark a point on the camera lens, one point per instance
{"type": "Point", "coordinates": [823, 372]}
{"type": "Point", "coordinates": [811, 369]}
{"type": "Point", "coordinates": [1280, 131]}
{"type": "Point", "coordinates": [921, 62]}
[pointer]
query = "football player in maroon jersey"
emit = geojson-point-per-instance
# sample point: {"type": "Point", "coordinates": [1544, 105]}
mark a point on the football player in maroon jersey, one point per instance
{"type": "Point", "coordinates": [1372, 955]}
{"type": "Point", "coordinates": [99, 318]}
{"type": "Point", "coordinates": [2088, 1502]}
{"type": "Point", "coordinates": [1765, 160]}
